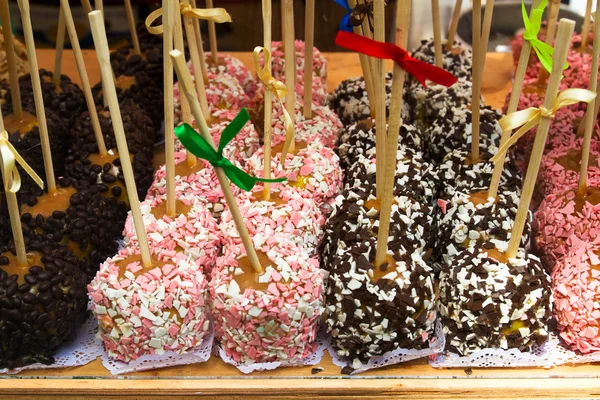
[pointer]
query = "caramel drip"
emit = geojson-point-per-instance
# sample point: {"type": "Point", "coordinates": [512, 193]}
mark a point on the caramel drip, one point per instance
{"type": "Point", "coordinates": [514, 327]}
{"type": "Point", "coordinates": [480, 197]}
{"type": "Point", "coordinates": [456, 51]}
{"type": "Point", "coordinates": [161, 209]}
{"type": "Point", "coordinates": [220, 62]}
{"type": "Point", "coordinates": [572, 160]}
{"type": "Point", "coordinates": [583, 50]}
{"type": "Point", "coordinates": [101, 160]}
{"type": "Point", "coordinates": [591, 195]}
{"type": "Point", "coordinates": [249, 279]}
{"type": "Point", "coordinates": [274, 197]}
{"type": "Point", "coordinates": [537, 88]}
{"type": "Point", "coordinates": [366, 124]}
{"type": "Point", "coordinates": [27, 122]}
{"type": "Point", "coordinates": [388, 265]}
{"type": "Point", "coordinates": [300, 145]}
{"type": "Point", "coordinates": [470, 161]}
{"type": "Point", "coordinates": [373, 204]}
{"type": "Point", "coordinates": [50, 202]}
{"type": "Point", "coordinates": [125, 82]}
{"type": "Point", "coordinates": [122, 264]}
{"type": "Point", "coordinates": [594, 266]}
{"type": "Point", "coordinates": [496, 255]}
{"type": "Point", "coordinates": [76, 249]}
{"type": "Point", "coordinates": [13, 268]}
{"type": "Point", "coordinates": [48, 79]}
{"type": "Point", "coordinates": [185, 169]}
{"type": "Point", "coordinates": [300, 182]}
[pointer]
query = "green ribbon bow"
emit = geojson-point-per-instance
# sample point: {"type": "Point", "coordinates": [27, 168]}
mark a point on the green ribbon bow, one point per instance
{"type": "Point", "coordinates": [532, 27]}
{"type": "Point", "coordinates": [195, 143]}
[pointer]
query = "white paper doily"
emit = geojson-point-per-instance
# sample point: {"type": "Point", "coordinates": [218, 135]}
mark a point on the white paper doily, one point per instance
{"type": "Point", "coordinates": [81, 351]}
{"type": "Point", "coordinates": [436, 344]}
{"type": "Point", "coordinates": [559, 354]}
{"type": "Point", "coordinates": [313, 359]}
{"type": "Point", "coordinates": [168, 359]}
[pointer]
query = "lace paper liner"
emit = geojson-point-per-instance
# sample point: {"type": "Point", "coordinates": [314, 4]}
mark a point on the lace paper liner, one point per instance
{"type": "Point", "coordinates": [560, 354]}
{"type": "Point", "coordinates": [168, 359]}
{"type": "Point", "coordinates": [436, 344]}
{"type": "Point", "coordinates": [313, 359]}
{"type": "Point", "coordinates": [84, 349]}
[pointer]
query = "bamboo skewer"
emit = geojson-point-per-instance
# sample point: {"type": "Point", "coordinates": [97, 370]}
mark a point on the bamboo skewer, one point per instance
{"type": "Point", "coordinates": [513, 103]}
{"type": "Point", "coordinates": [131, 23]}
{"type": "Point", "coordinates": [290, 66]}
{"type": "Point", "coordinates": [476, 80]}
{"type": "Point", "coordinates": [186, 86]}
{"type": "Point", "coordinates": [212, 36]}
{"type": "Point", "coordinates": [485, 32]}
{"type": "Point", "coordinates": [453, 25]}
{"type": "Point", "coordinates": [585, 32]}
{"type": "Point", "coordinates": [85, 82]}
{"type": "Point", "coordinates": [87, 6]}
{"type": "Point", "coordinates": [101, 44]}
{"type": "Point", "coordinates": [37, 95]}
{"type": "Point", "coordinates": [565, 30]}
{"type": "Point", "coordinates": [379, 80]}
{"type": "Point", "coordinates": [267, 14]}
{"type": "Point", "coordinates": [168, 21]}
{"type": "Point", "coordinates": [553, 12]}
{"type": "Point", "coordinates": [437, 33]}
{"type": "Point", "coordinates": [371, 61]}
{"type": "Point", "coordinates": [186, 114]}
{"type": "Point", "coordinates": [395, 121]}
{"type": "Point", "coordinates": [99, 5]}
{"type": "Point", "coordinates": [13, 212]}
{"type": "Point", "coordinates": [309, 43]}
{"type": "Point", "coordinates": [197, 63]}
{"type": "Point", "coordinates": [60, 46]}
{"type": "Point", "coordinates": [366, 67]}
{"type": "Point", "coordinates": [590, 116]}
{"type": "Point", "coordinates": [9, 45]}
{"type": "Point", "coordinates": [199, 45]}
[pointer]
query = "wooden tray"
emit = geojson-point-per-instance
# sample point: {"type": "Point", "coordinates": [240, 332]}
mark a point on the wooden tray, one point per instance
{"type": "Point", "coordinates": [413, 380]}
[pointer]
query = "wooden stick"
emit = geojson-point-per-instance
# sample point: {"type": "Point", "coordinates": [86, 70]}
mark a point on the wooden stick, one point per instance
{"type": "Point", "coordinates": [366, 32]}
{"type": "Point", "coordinates": [60, 46]}
{"type": "Point", "coordinates": [13, 211]}
{"type": "Point", "coordinates": [197, 62]}
{"type": "Point", "coordinates": [585, 32]}
{"type": "Point", "coordinates": [395, 121]}
{"type": "Point", "coordinates": [267, 14]}
{"type": "Point", "coordinates": [168, 21]}
{"type": "Point", "coordinates": [186, 114]}
{"type": "Point", "coordinates": [309, 43]}
{"type": "Point", "coordinates": [553, 12]}
{"type": "Point", "coordinates": [212, 36]}
{"type": "Point", "coordinates": [290, 65]}
{"type": "Point", "coordinates": [379, 80]}
{"type": "Point", "coordinates": [365, 66]}
{"type": "Point", "coordinates": [513, 103]}
{"type": "Point", "coordinates": [99, 5]}
{"type": "Point", "coordinates": [9, 46]}
{"type": "Point", "coordinates": [476, 80]}
{"type": "Point", "coordinates": [131, 22]}
{"type": "Point", "coordinates": [563, 42]}
{"type": "Point", "coordinates": [85, 82]}
{"type": "Point", "coordinates": [200, 45]}
{"type": "Point", "coordinates": [453, 25]}
{"type": "Point", "coordinates": [590, 117]}
{"type": "Point", "coordinates": [37, 95]}
{"type": "Point", "coordinates": [437, 33]}
{"type": "Point", "coordinates": [485, 32]}
{"type": "Point", "coordinates": [186, 86]}
{"type": "Point", "coordinates": [87, 7]}
{"type": "Point", "coordinates": [101, 43]}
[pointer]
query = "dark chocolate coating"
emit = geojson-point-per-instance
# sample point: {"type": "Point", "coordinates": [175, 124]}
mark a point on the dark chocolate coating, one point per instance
{"type": "Point", "coordinates": [39, 315]}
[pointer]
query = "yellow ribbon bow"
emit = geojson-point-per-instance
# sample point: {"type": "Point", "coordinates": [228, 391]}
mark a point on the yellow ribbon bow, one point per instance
{"type": "Point", "coordinates": [10, 158]}
{"type": "Point", "coordinates": [218, 15]}
{"type": "Point", "coordinates": [530, 117]}
{"type": "Point", "coordinates": [279, 90]}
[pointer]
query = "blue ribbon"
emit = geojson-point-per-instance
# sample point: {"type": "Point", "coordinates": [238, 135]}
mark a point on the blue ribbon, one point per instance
{"type": "Point", "coordinates": [345, 23]}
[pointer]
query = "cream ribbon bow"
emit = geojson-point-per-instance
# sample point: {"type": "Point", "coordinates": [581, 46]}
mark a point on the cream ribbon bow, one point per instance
{"type": "Point", "coordinates": [530, 117]}
{"type": "Point", "coordinates": [279, 90]}
{"type": "Point", "coordinates": [218, 15]}
{"type": "Point", "coordinates": [10, 158]}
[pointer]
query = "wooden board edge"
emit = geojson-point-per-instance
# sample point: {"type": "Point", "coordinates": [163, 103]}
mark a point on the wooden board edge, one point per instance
{"type": "Point", "coordinates": [288, 388]}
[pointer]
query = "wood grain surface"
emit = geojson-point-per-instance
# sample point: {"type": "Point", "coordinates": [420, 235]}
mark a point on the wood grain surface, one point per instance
{"type": "Point", "coordinates": [412, 380]}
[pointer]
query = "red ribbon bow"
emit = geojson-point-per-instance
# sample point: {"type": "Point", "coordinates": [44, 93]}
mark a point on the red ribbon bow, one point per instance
{"type": "Point", "coordinates": [419, 69]}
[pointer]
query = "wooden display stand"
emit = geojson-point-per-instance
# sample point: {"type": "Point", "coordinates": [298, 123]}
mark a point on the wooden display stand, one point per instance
{"type": "Point", "coordinates": [215, 379]}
